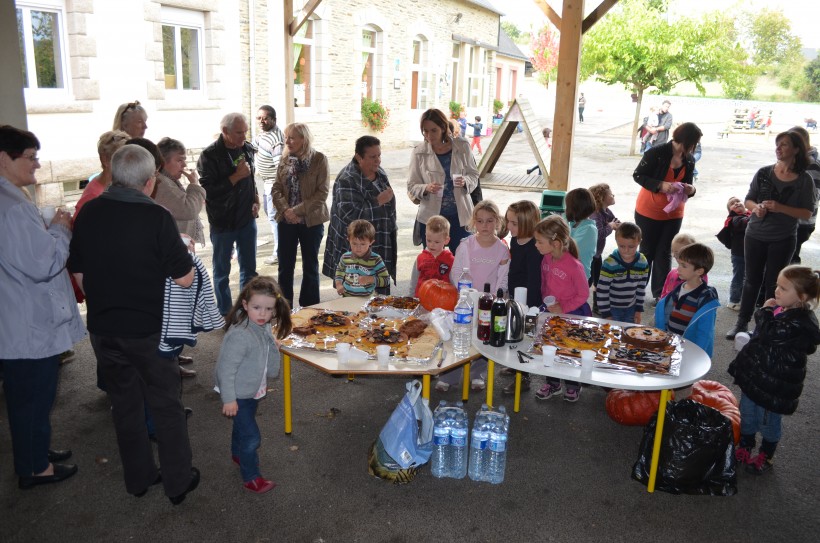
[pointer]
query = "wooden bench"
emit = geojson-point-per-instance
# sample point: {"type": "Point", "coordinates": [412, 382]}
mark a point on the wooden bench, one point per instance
{"type": "Point", "coordinates": [513, 181]}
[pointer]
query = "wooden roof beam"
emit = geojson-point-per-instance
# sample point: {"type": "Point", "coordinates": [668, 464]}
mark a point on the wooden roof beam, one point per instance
{"type": "Point", "coordinates": [596, 14]}
{"type": "Point", "coordinates": [549, 12]}
{"type": "Point", "coordinates": [300, 20]}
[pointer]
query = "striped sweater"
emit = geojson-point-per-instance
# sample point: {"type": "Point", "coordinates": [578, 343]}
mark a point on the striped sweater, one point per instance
{"type": "Point", "coordinates": [681, 307]}
{"type": "Point", "coordinates": [622, 284]}
{"type": "Point", "coordinates": [351, 267]}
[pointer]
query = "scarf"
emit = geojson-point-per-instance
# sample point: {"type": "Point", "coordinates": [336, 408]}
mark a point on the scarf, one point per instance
{"type": "Point", "coordinates": [296, 167]}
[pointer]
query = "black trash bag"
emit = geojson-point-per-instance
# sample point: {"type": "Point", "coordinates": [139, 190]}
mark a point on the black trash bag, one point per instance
{"type": "Point", "coordinates": [697, 453]}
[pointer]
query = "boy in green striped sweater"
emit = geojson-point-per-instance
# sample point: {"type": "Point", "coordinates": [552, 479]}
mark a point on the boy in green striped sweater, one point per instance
{"type": "Point", "coordinates": [360, 270]}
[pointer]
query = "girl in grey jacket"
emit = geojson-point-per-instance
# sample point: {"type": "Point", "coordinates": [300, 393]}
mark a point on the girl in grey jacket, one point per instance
{"type": "Point", "coordinates": [248, 357]}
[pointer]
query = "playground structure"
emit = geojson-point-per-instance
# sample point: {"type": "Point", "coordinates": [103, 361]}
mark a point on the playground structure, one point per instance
{"type": "Point", "coordinates": [748, 120]}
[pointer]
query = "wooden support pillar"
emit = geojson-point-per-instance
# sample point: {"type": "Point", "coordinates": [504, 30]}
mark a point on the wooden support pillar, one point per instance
{"type": "Point", "coordinates": [566, 91]}
{"type": "Point", "coordinates": [287, 79]}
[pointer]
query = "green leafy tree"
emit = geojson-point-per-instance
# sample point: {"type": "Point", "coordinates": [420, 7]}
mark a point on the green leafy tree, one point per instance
{"type": "Point", "coordinates": [512, 31]}
{"type": "Point", "coordinates": [639, 46]}
{"type": "Point", "coordinates": [769, 33]}
{"type": "Point", "coordinates": [810, 91]}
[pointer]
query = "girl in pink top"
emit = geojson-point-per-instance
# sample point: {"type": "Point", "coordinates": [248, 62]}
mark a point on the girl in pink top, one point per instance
{"type": "Point", "coordinates": [562, 276]}
{"type": "Point", "coordinates": [672, 279]}
{"type": "Point", "coordinates": [488, 259]}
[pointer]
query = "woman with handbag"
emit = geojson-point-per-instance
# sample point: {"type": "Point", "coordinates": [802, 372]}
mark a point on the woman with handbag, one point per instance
{"type": "Point", "coordinates": [442, 177]}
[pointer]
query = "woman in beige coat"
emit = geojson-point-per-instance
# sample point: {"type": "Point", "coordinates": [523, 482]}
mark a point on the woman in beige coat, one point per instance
{"type": "Point", "coordinates": [442, 176]}
{"type": "Point", "coordinates": [300, 197]}
{"type": "Point", "coordinates": [184, 203]}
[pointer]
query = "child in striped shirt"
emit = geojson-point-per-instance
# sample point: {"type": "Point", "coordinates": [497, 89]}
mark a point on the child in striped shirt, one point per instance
{"type": "Point", "coordinates": [360, 270]}
{"type": "Point", "coordinates": [624, 273]}
{"type": "Point", "coordinates": [690, 309]}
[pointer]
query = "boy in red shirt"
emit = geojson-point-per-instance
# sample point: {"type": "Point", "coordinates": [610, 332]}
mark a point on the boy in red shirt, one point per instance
{"type": "Point", "coordinates": [436, 260]}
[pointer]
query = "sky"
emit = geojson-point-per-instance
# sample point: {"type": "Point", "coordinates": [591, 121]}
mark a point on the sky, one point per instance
{"type": "Point", "coordinates": [804, 14]}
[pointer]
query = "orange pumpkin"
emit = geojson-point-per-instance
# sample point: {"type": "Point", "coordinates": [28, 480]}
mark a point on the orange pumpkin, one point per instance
{"type": "Point", "coordinates": [435, 293]}
{"type": "Point", "coordinates": [718, 396]}
{"type": "Point", "coordinates": [633, 407]}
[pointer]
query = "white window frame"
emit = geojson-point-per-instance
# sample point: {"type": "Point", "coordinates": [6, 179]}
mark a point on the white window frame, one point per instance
{"type": "Point", "coordinates": [424, 75]}
{"type": "Point", "coordinates": [455, 76]}
{"type": "Point", "coordinates": [377, 53]}
{"type": "Point", "coordinates": [477, 77]}
{"type": "Point", "coordinates": [312, 43]}
{"type": "Point", "coordinates": [184, 18]}
{"type": "Point", "coordinates": [35, 93]}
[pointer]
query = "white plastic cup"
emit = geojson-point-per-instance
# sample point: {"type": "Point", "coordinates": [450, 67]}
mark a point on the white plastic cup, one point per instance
{"type": "Point", "coordinates": [741, 339]}
{"type": "Point", "coordinates": [548, 354]}
{"type": "Point", "coordinates": [48, 213]}
{"type": "Point", "coordinates": [520, 295]}
{"type": "Point", "coordinates": [549, 300]}
{"type": "Point", "coordinates": [342, 353]}
{"type": "Point", "coordinates": [587, 360]}
{"type": "Point", "coordinates": [383, 355]}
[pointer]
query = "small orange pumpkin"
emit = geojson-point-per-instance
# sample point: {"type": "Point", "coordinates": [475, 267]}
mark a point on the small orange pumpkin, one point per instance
{"type": "Point", "coordinates": [718, 396]}
{"type": "Point", "coordinates": [633, 407]}
{"type": "Point", "coordinates": [435, 293]}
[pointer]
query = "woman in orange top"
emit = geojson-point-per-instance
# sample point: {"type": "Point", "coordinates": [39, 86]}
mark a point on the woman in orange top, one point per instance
{"type": "Point", "coordinates": [664, 172]}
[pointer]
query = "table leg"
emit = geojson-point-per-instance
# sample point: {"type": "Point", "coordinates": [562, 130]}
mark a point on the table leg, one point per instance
{"type": "Point", "coordinates": [425, 386]}
{"type": "Point", "coordinates": [465, 383]}
{"type": "Point", "coordinates": [490, 381]}
{"type": "Point", "coordinates": [517, 400]}
{"type": "Point", "coordinates": [656, 448]}
{"type": "Point", "coordinates": [351, 377]}
{"type": "Point", "coordinates": [286, 387]}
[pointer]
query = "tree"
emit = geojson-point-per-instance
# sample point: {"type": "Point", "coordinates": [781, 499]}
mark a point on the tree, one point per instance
{"type": "Point", "coordinates": [770, 38]}
{"type": "Point", "coordinates": [512, 31]}
{"type": "Point", "coordinates": [810, 91]}
{"type": "Point", "coordinates": [544, 47]}
{"type": "Point", "coordinates": [637, 45]}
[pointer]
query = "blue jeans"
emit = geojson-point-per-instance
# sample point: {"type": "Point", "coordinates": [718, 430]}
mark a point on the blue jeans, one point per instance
{"type": "Point", "coordinates": [223, 242]}
{"type": "Point", "coordinates": [30, 386]}
{"type": "Point", "coordinates": [308, 238]}
{"type": "Point", "coordinates": [754, 419]}
{"type": "Point", "coordinates": [623, 314]}
{"type": "Point", "coordinates": [738, 275]}
{"type": "Point", "coordinates": [457, 233]}
{"type": "Point", "coordinates": [245, 439]}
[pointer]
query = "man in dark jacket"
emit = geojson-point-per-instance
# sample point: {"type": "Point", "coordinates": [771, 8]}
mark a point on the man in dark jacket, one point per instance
{"type": "Point", "coordinates": [232, 203]}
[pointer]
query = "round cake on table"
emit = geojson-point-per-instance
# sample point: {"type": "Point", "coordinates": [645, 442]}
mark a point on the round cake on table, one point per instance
{"type": "Point", "coordinates": [646, 337]}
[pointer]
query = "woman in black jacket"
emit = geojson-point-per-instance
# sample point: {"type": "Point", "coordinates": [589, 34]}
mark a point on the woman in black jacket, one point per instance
{"type": "Point", "coordinates": [664, 171]}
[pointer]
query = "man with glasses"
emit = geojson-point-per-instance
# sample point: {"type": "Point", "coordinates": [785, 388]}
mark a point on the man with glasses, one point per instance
{"type": "Point", "coordinates": [226, 172]}
{"type": "Point", "coordinates": [269, 144]}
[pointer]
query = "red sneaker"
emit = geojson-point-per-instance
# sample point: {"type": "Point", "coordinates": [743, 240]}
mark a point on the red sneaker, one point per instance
{"type": "Point", "coordinates": [235, 459]}
{"type": "Point", "coordinates": [260, 485]}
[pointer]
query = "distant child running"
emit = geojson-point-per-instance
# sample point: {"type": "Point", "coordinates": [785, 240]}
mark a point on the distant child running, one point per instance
{"type": "Point", "coordinates": [562, 276]}
{"type": "Point", "coordinates": [436, 260]}
{"type": "Point", "coordinates": [248, 357]}
{"type": "Point", "coordinates": [360, 270]}
{"type": "Point", "coordinates": [477, 127]}
{"type": "Point", "coordinates": [672, 278]}
{"type": "Point", "coordinates": [624, 275]}
{"type": "Point", "coordinates": [525, 263]}
{"type": "Point", "coordinates": [771, 368]}
{"type": "Point", "coordinates": [605, 222]}
{"type": "Point", "coordinates": [690, 309]}
{"type": "Point", "coordinates": [733, 236]}
{"type": "Point", "coordinates": [488, 260]}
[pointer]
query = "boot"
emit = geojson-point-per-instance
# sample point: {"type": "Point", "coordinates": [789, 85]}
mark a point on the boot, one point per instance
{"type": "Point", "coordinates": [740, 326]}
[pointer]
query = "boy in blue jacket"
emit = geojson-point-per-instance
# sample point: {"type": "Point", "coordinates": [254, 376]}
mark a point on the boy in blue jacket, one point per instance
{"type": "Point", "coordinates": [690, 309]}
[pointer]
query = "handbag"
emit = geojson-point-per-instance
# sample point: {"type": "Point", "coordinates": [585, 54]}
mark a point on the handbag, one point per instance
{"type": "Point", "coordinates": [408, 435]}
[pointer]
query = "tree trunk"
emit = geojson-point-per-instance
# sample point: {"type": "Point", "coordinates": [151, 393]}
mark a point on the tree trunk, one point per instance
{"type": "Point", "coordinates": [636, 122]}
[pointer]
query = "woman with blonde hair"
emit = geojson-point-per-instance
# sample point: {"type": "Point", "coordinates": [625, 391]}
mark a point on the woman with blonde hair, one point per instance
{"type": "Point", "coordinates": [108, 143]}
{"type": "Point", "coordinates": [300, 197]}
{"type": "Point", "coordinates": [132, 118]}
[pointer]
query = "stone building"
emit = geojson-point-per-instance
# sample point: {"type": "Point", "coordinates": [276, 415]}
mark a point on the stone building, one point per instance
{"type": "Point", "coordinates": [191, 61]}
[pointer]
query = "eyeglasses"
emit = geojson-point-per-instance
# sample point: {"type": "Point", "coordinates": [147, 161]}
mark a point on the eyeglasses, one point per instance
{"type": "Point", "coordinates": [33, 158]}
{"type": "Point", "coordinates": [130, 106]}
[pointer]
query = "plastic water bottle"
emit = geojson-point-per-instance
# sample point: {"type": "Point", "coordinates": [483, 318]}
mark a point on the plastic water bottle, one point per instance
{"type": "Point", "coordinates": [462, 326]}
{"type": "Point", "coordinates": [497, 454]}
{"type": "Point", "coordinates": [440, 460]}
{"type": "Point", "coordinates": [478, 445]}
{"type": "Point", "coordinates": [458, 445]}
{"type": "Point", "coordinates": [465, 280]}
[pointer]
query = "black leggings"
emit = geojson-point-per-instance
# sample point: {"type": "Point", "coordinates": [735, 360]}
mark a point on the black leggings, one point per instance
{"type": "Point", "coordinates": [764, 261]}
{"type": "Point", "coordinates": [656, 245]}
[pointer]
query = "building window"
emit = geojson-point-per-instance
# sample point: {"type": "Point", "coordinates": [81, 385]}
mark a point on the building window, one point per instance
{"type": "Point", "coordinates": [419, 79]}
{"type": "Point", "coordinates": [476, 77]}
{"type": "Point", "coordinates": [370, 60]}
{"type": "Point", "coordinates": [454, 77]}
{"type": "Point", "coordinates": [40, 35]}
{"type": "Point", "coordinates": [181, 48]}
{"type": "Point", "coordinates": [303, 65]}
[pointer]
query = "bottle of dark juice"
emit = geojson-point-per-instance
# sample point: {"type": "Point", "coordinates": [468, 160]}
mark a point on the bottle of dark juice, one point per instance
{"type": "Point", "coordinates": [485, 305]}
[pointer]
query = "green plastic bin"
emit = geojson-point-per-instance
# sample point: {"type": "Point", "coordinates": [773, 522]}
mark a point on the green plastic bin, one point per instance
{"type": "Point", "coordinates": [552, 202]}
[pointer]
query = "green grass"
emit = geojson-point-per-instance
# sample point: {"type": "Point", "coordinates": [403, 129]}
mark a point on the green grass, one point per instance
{"type": "Point", "coordinates": [766, 90]}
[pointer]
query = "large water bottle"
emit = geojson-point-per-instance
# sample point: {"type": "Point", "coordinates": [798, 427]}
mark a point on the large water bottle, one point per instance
{"type": "Point", "coordinates": [465, 280]}
{"type": "Point", "coordinates": [462, 326]}
{"type": "Point", "coordinates": [497, 449]}
{"type": "Point", "coordinates": [478, 445]}
{"type": "Point", "coordinates": [440, 460]}
{"type": "Point", "coordinates": [458, 445]}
